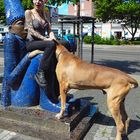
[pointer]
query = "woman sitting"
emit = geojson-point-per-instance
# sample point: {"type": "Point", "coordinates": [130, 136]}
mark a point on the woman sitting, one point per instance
{"type": "Point", "coordinates": [38, 24]}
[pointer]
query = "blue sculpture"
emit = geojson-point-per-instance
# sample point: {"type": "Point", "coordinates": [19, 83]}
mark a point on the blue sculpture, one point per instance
{"type": "Point", "coordinates": [19, 87]}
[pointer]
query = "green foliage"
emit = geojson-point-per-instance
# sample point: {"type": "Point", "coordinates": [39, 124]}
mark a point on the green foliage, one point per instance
{"type": "Point", "coordinates": [107, 41]}
{"type": "Point", "coordinates": [59, 2]}
{"type": "Point", "coordinates": [2, 14]}
{"type": "Point", "coordinates": [97, 38]}
{"type": "Point", "coordinates": [87, 39]}
{"type": "Point", "coordinates": [136, 42]}
{"type": "Point", "coordinates": [105, 9]}
{"type": "Point", "coordinates": [126, 12]}
{"type": "Point", "coordinates": [27, 4]}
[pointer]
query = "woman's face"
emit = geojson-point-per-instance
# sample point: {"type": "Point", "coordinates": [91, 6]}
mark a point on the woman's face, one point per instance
{"type": "Point", "coordinates": [38, 4]}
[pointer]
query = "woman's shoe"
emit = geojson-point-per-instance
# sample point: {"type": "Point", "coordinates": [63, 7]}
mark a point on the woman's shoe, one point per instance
{"type": "Point", "coordinates": [40, 78]}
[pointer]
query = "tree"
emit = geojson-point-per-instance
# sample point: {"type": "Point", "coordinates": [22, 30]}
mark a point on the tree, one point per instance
{"type": "Point", "coordinates": [28, 4]}
{"type": "Point", "coordinates": [118, 10]}
{"type": "Point", "coordinates": [59, 2]}
{"type": "Point", "coordinates": [129, 13]}
{"type": "Point", "coordinates": [2, 14]}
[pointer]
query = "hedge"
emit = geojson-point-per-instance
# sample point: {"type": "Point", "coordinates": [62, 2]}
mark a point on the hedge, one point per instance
{"type": "Point", "coordinates": [111, 41]}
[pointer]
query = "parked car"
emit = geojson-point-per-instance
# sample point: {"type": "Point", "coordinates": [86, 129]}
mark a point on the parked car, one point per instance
{"type": "Point", "coordinates": [1, 38]}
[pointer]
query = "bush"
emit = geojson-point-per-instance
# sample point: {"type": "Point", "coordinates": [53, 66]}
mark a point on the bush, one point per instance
{"type": "Point", "coordinates": [111, 41]}
{"type": "Point", "coordinates": [136, 42]}
{"type": "Point", "coordinates": [97, 39]}
{"type": "Point", "coordinates": [87, 39]}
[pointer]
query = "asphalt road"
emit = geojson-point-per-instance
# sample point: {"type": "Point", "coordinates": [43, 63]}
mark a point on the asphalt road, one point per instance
{"type": "Point", "coordinates": [126, 58]}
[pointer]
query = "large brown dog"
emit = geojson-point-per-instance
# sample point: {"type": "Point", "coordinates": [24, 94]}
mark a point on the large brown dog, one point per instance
{"type": "Point", "coordinates": [73, 73]}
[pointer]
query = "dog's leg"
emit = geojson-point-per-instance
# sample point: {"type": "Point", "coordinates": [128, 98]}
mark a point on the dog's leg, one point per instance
{"type": "Point", "coordinates": [114, 107]}
{"type": "Point", "coordinates": [115, 103]}
{"type": "Point", "coordinates": [115, 111]}
{"type": "Point", "coordinates": [63, 90]}
{"type": "Point", "coordinates": [125, 117]}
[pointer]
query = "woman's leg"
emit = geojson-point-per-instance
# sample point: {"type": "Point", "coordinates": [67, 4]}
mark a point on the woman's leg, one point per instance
{"type": "Point", "coordinates": [49, 49]}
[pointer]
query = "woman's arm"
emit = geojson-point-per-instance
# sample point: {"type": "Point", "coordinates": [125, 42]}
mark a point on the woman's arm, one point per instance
{"type": "Point", "coordinates": [29, 26]}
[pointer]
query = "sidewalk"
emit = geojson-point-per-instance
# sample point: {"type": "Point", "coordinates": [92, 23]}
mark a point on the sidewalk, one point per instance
{"type": "Point", "coordinates": [8, 135]}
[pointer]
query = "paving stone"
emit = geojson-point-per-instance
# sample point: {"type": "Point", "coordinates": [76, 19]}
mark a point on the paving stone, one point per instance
{"type": "Point", "coordinates": [8, 135]}
{"type": "Point", "coordinates": [3, 134]}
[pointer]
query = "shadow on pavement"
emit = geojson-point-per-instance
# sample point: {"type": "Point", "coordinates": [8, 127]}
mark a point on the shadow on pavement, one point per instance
{"type": "Point", "coordinates": [126, 66]}
{"type": "Point", "coordinates": [87, 98]}
{"type": "Point", "coordinates": [134, 125]}
{"type": "Point", "coordinates": [102, 119]}
{"type": "Point", "coordinates": [108, 121]}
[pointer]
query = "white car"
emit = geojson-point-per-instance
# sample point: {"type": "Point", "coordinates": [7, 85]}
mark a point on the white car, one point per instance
{"type": "Point", "coordinates": [1, 38]}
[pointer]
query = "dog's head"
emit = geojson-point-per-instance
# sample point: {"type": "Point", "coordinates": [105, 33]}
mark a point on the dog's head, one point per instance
{"type": "Point", "coordinates": [59, 48]}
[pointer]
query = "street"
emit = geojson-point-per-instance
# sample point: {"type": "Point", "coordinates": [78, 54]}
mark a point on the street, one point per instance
{"type": "Point", "coordinates": [125, 58]}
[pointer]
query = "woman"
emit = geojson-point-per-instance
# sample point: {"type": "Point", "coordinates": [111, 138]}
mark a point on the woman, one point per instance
{"type": "Point", "coordinates": [37, 24]}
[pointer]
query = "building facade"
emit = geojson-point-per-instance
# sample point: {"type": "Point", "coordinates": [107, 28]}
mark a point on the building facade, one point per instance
{"type": "Point", "coordinates": [86, 8]}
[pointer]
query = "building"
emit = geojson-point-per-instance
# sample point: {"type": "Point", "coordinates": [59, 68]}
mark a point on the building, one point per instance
{"type": "Point", "coordinates": [106, 30]}
{"type": "Point", "coordinates": [3, 30]}
{"type": "Point", "coordinates": [86, 8]}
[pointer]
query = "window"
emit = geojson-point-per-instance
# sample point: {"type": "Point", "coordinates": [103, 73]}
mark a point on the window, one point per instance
{"type": "Point", "coordinates": [1, 29]}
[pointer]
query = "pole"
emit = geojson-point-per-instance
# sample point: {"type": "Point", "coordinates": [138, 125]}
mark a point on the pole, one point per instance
{"type": "Point", "coordinates": [78, 30]}
{"type": "Point", "coordinates": [62, 29]}
{"type": "Point", "coordinates": [92, 43]}
{"type": "Point", "coordinates": [81, 40]}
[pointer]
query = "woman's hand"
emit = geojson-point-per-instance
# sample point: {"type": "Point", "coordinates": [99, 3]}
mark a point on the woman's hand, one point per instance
{"type": "Point", "coordinates": [34, 53]}
{"type": "Point", "coordinates": [52, 36]}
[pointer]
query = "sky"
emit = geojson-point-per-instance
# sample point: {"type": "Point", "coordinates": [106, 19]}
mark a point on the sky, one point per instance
{"type": "Point", "coordinates": [63, 9]}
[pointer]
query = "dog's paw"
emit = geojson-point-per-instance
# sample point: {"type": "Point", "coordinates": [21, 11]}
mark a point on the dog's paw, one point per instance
{"type": "Point", "coordinates": [58, 116]}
